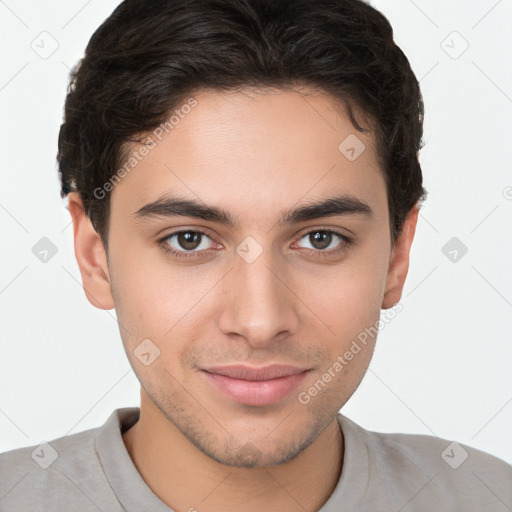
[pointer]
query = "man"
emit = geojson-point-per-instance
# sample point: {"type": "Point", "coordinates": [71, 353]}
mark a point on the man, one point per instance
{"type": "Point", "coordinates": [244, 184]}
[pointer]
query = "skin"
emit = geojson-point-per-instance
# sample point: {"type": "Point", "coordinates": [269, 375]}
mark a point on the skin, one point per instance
{"type": "Point", "coordinates": [192, 445]}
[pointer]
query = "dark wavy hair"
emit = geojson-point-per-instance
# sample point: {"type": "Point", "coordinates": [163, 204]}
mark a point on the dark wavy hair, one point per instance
{"type": "Point", "coordinates": [148, 56]}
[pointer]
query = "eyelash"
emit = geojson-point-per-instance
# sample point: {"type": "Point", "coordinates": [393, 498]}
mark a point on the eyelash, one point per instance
{"type": "Point", "coordinates": [347, 242]}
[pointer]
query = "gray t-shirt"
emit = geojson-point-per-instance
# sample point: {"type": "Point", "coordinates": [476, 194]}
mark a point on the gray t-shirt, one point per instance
{"type": "Point", "coordinates": [92, 471]}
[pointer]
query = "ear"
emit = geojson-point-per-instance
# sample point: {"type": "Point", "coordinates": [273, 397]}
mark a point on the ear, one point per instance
{"type": "Point", "coordinates": [90, 255]}
{"type": "Point", "coordinates": [399, 260]}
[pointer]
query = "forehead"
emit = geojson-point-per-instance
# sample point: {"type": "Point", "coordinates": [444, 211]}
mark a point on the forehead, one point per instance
{"type": "Point", "coordinates": [255, 151]}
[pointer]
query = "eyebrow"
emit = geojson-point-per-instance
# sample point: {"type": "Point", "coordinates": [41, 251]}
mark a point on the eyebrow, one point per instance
{"type": "Point", "coordinates": [171, 206]}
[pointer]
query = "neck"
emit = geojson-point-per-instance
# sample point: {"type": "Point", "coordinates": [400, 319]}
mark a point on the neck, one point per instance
{"type": "Point", "coordinates": [184, 478]}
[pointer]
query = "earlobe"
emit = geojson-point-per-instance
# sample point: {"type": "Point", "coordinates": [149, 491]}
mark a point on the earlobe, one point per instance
{"type": "Point", "coordinates": [90, 255]}
{"type": "Point", "coordinates": [399, 261]}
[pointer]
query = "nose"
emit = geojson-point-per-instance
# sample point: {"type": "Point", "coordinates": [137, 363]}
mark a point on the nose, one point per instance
{"type": "Point", "coordinates": [260, 301]}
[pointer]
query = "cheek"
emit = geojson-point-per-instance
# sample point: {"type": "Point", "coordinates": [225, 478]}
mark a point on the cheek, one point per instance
{"type": "Point", "coordinates": [160, 301]}
{"type": "Point", "coordinates": [142, 294]}
{"type": "Point", "coordinates": [347, 297]}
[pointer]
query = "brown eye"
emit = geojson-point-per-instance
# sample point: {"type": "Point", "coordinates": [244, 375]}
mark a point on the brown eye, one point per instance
{"type": "Point", "coordinates": [189, 240]}
{"type": "Point", "coordinates": [185, 243]}
{"type": "Point", "coordinates": [320, 239]}
{"type": "Point", "coordinates": [326, 242]}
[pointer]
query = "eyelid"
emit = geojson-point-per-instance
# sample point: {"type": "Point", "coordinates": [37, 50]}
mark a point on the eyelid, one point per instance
{"type": "Point", "coordinates": [346, 238]}
{"type": "Point", "coordinates": [336, 230]}
{"type": "Point", "coordinates": [346, 241]}
{"type": "Point", "coordinates": [163, 239]}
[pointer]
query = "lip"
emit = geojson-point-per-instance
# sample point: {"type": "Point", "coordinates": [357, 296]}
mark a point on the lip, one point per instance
{"type": "Point", "coordinates": [255, 386]}
{"type": "Point", "coordinates": [243, 372]}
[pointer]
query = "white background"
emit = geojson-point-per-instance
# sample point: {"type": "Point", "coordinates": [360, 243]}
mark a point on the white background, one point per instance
{"type": "Point", "coordinates": [442, 366]}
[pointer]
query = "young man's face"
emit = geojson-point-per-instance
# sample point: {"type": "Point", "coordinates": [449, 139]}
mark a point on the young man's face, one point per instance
{"type": "Point", "coordinates": [255, 293]}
